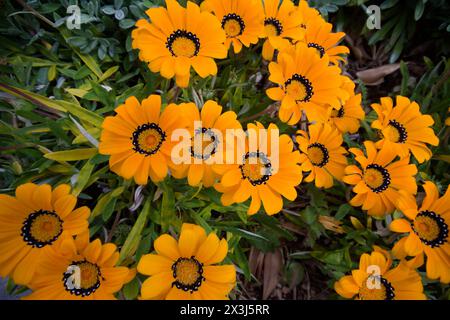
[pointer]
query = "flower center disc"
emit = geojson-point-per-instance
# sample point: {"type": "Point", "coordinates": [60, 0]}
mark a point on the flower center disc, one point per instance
{"type": "Point", "coordinates": [256, 168]}
{"type": "Point", "coordinates": [318, 154]}
{"type": "Point", "coordinates": [182, 43]}
{"type": "Point", "coordinates": [233, 25]}
{"type": "Point", "coordinates": [395, 132]}
{"type": "Point", "coordinates": [299, 88]}
{"type": "Point", "coordinates": [376, 288]}
{"type": "Point", "coordinates": [208, 146]}
{"type": "Point", "coordinates": [148, 138]}
{"type": "Point", "coordinates": [430, 228]}
{"type": "Point", "coordinates": [41, 228]}
{"type": "Point", "coordinates": [337, 113]}
{"type": "Point", "coordinates": [377, 178]}
{"type": "Point", "coordinates": [82, 278]}
{"type": "Point", "coordinates": [319, 48]}
{"type": "Point", "coordinates": [188, 274]}
{"type": "Point", "coordinates": [273, 27]}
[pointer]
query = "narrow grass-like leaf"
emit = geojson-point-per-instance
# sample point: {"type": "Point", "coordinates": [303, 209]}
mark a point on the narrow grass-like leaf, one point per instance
{"type": "Point", "coordinates": [71, 155]}
{"type": "Point", "coordinates": [167, 207]}
{"type": "Point", "coordinates": [83, 177]}
{"type": "Point", "coordinates": [132, 241]}
{"type": "Point", "coordinates": [108, 73]}
{"type": "Point", "coordinates": [59, 105]}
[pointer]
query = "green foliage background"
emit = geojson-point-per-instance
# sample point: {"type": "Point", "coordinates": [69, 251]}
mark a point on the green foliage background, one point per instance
{"type": "Point", "coordinates": [57, 85]}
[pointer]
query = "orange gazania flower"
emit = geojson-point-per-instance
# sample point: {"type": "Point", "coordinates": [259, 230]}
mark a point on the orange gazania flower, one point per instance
{"type": "Point", "coordinates": [306, 83]}
{"type": "Point", "coordinates": [187, 269]}
{"type": "Point", "coordinates": [348, 117]}
{"type": "Point", "coordinates": [79, 270]}
{"type": "Point", "coordinates": [375, 279]}
{"type": "Point", "coordinates": [242, 21]}
{"type": "Point", "coordinates": [318, 35]}
{"type": "Point", "coordinates": [32, 222]}
{"type": "Point", "coordinates": [427, 228]}
{"type": "Point", "coordinates": [212, 135]}
{"type": "Point", "coordinates": [178, 38]}
{"type": "Point", "coordinates": [404, 127]}
{"type": "Point", "coordinates": [138, 138]}
{"type": "Point", "coordinates": [255, 176]}
{"type": "Point", "coordinates": [281, 25]}
{"type": "Point", "coordinates": [379, 178]}
{"type": "Point", "coordinates": [322, 154]}
{"type": "Point", "coordinates": [308, 14]}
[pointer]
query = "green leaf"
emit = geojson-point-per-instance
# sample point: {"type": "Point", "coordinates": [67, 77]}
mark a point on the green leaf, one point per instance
{"type": "Point", "coordinates": [118, 4]}
{"type": "Point", "coordinates": [197, 217]}
{"type": "Point", "coordinates": [51, 75]}
{"type": "Point", "coordinates": [418, 12]}
{"type": "Point", "coordinates": [397, 50]}
{"type": "Point", "coordinates": [246, 234]}
{"type": "Point", "coordinates": [35, 62]}
{"type": "Point", "coordinates": [102, 94]}
{"type": "Point", "coordinates": [242, 262]}
{"type": "Point", "coordinates": [108, 73]}
{"type": "Point", "coordinates": [300, 255]}
{"type": "Point", "coordinates": [131, 243]}
{"type": "Point", "coordinates": [77, 92]}
{"type": "Point", "coordinates": [343, 210]}
{"type": "Point", "coordinates": [309, 215]}
{"type": "Point", "coordinates": [388, 4]}
{"type": "Point", "coordinates": [381, 34]}
{"type": "Point", "coordinates": [59, 105]}
{"type": "Point", "coordinates": [127, 23]}
{"type": "Point", "coordinates": [82, 73]}
{"type": "Point", "coordinates": [317, 197]}
{"type": "Point", "coordinates": [109, 10]}
{"type": "Point", "coordinates": [442, 157]}
{"type": "Point", "coordinates": [107, 201]}
{"type": "Point", "coordinates": [10, 286]}
{"type": "Point", "coordinates": [71, 155]}
{"type": "Point", "coordinates": [167, 207]}
{"type": "Point", "coordinates": [77, 41]}
{"type": "Point", "coordinates": [136, 11]}
{"type": "Point", "coordinates": [131, 289]}
{"type": "Point", "coordinates": [58, 129]}
{"type": "Point", "coordinates": [87, 59]}
{"type": "Point", "coordinates": [337, 257]}
{"type": "Point", "coordinates": [101, 204]}
{"type": "Point", "coordinates": [146, 243]}
{"type": "Point", "coordinates": [109, 209]}
{"type": "Point", "coordinates": [83, 176]}
{"type": "Point", "coordinates": [405, 78]}
{"type": "Point", "coordinates": [91, 63]}
{"type": "Point", "coordinates": [397, 32]}
{"type": "Point", "coordinates": [119, 14]}
{"type": "Point", "coordinates": [274, 226]}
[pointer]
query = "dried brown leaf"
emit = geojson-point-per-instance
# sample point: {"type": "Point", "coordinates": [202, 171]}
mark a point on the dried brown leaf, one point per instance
{"type": "Point", "coordinates": [273, 262]}
{"type": "Point", "coordinates": [376, 75]}
{"type": "Point", "coordinates": [255, 262]}
{"type": "Point", "coordinates": [292, 227]}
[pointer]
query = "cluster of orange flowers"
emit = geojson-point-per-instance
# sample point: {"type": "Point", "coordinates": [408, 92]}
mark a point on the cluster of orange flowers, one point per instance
{"type": "Point", "coordinates": [311, 90]}
{"type": "Point", "coordinates": [45, 245]}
